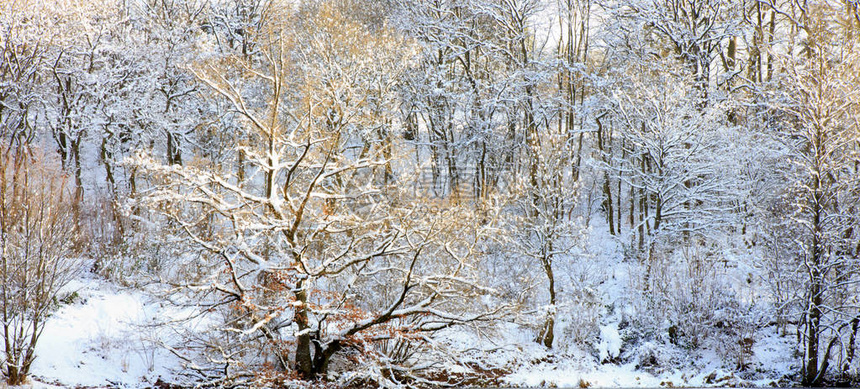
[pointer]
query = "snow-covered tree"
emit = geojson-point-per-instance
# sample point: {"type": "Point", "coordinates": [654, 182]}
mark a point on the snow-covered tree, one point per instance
{"type": "Point", "coordinates": [312, 256]}
{"type": "Point", "coordinates": [817, 100]}
{"type": "Point", "coordinates": [20, 62]}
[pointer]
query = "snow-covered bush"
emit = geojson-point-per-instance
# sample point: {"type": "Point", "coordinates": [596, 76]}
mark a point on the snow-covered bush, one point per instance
{"type": "Point", "coordinates": [693, 304]}
{"type": "Point", "coordinates": [583, 305]}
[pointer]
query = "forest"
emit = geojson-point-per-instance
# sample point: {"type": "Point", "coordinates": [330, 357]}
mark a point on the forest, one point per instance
{"type": "Point", "coordinates": [431, 193]}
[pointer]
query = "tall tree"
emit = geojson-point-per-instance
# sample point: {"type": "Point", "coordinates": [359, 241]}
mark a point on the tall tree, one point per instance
{"type": "Point", "coordinates": [819, 101]}
{"type": "Point", "coordinates": [315, 256]}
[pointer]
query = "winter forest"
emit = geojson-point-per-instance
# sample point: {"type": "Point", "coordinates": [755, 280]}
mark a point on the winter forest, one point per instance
{"type": "Point", "coordinates": [429, 193]}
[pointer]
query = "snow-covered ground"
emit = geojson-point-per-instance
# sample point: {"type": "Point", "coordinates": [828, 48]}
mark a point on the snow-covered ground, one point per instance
{"type": "Point", "coordinates": [705, 371]}
{"type": "Point", "coordinates": [103, 337]}
{"type": "Point", "coordinates": [636, 360]}
{"type": "Point", "coordinates": [531, 365]}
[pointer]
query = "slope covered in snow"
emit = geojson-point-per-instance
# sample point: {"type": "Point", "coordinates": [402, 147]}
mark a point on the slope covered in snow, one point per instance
{"type": "Point", "coordinates": [104, 335]}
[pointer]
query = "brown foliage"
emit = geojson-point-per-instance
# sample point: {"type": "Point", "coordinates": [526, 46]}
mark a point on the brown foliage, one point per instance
{"type": "Point", "coordinates": [37, 235]}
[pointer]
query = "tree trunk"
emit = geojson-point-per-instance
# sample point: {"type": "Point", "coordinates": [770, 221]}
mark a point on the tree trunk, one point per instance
{"type": "Point", "coordinates": [79, 183]}
{"type": "Point", "coordinates": [812, 373]}
{"type": "Point", "coordinates": [174, 155]}
{"type": "Point", "coordinates": [304, 359]}
{"type": "Point", "coordinates": [607, 186]}
{"type": "Point", "coordinates": [547, 333]}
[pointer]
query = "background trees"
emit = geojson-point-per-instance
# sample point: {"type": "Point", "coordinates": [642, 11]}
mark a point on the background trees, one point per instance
{"type": "Point", "coordinates": [344, 170]}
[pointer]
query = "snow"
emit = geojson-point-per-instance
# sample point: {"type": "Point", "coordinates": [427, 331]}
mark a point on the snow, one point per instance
{"type": "Point", "coordinates": [104, 337]}
{"type": "Point", "coordinates": [772, 363]}
{"type": "Point", "coordinates": [610, 342]}
{"type": "Point", "coordinates": [614, 360]}
{"type": "Point", "coordinates": [513, 348]}
{"type": "Point", "coordinates": [572, 375]}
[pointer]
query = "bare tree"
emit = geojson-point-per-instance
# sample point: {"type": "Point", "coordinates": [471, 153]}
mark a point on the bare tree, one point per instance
{"type": "Point", "coordinates": [37, 233]}
{"type": "Point", "coordinates": [541, 229]}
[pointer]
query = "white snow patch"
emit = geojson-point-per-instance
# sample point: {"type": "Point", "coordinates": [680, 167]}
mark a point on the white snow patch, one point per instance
{"type": "Point", "coordinates": [104, 337]}
{"type": "Point", "coordinates": [570, 374]}
{"type": "Point", "coordinates": [610, 342]}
